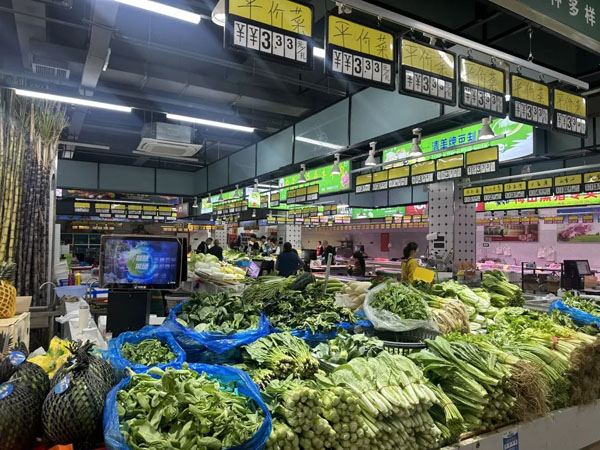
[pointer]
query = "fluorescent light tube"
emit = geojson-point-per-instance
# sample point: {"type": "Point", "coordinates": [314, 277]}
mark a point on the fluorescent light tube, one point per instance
{"type": "Point", "coordinates": [163, 9]}
{"type": "Point", "coordinates": [319, 52]}
{"type": "Point", "coordinates": [210, 123]}
{"type": "Point", "coordinates": [321, 143]}
{"type": "Point", "coordinates": [72, 100]}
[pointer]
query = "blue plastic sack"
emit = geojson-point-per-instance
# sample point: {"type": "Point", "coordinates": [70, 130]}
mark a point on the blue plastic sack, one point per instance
{"type": "Point", "coordinates": [316, 338]}
{"type": "Point", "coordinates": [114, 440]}
{"type": "Point", "coordinates": [578, 316]}
{"type": "Point", "coordinates": [119, 362]}
{"type": "Point", "coordinates": [193, 341]}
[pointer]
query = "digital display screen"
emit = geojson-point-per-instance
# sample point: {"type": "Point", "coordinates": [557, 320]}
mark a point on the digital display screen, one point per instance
{"type": "Point", "coordinates": [253, 270]}
{"type": "Point", "coordinates": [140, 262]}
{"type": "Point", "coordinates": [583, 267]}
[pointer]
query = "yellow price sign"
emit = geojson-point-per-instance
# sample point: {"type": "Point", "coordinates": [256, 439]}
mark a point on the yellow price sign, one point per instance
{"type": "Point", "coordinates": [482, 156]}
{"type": "Point", "coordinates": [481, 75]}
{"type": "Point", "coordinates": [591, 177]}
{"type": "Point", "coordinates": [120, 207]}
{"type": "Point", "coordinates": [428, 59]}
{"type": "Point", "coordinates": [354, 36]}
{"type": "Point", "coordinates": [571, 103]}
{"type": "Point", "coordinates": [529, 90]}
{"type": "Point", "coordinates": [380, 176]}
{"type": "Point", "coordinates": [364, 179]}
{"type": "Point", "coordinates": [82, 206]}
{"type": "Point", "coordinates": [312, 189]}
{"type": "Point", "coordinates": [469, 192]}
{"type": "Point", "coordinates": [450, 162]}
{"type": "Point", "coordinates": [513, 187]}
{"type": "Point", "coordinates": [399, 172]}
{"type": "Point", "coordinates": [568, 180]}
{"type": "Point", "coordinates": [423, 167]}
{"type": "Point", "coordinates": [134, 207]}
{"type": "Point", "coordinates": [283, 14]}
{"type": "Point", "coordinates": [539, 184]}
{"type": "Point", "coordinates": [493, 189]}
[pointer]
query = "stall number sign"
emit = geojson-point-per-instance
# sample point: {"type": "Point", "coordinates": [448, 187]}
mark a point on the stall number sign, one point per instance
{"type": "Point", "coordinates": [482, 161]}
{"type": "Point", "coordinates": [275, 200]}
{"type": "Point", "coordinates": [363, 183]}
{"type": "Point", "coordinates": [493, 193]}
{"type": "Point", "coordinates": [591, 181]}
{"type": "Point", "coordinates": [481, 87]}
{"type": "Point", "coordinates": [529, 101]}
{"type": "Point", "coordinates": [569, 184]}
{"type": "Point", "coordinates": [360, 53]}
{"type": "Point", "coordinates": [148, 212]}
{"type": "Point", "coordinates": [134, 211]}
{"type": "Point", "coordinates": [539, 188]}
{"type": "Point", "coordinates": [380, 181]}
{"type": "Point", "coordinates": [449, 167]}
{"type": "Point", "coordinates": [82, 207]}
{"type": "Point", "coordinates": [281, 30]}
{"type": "Point", "coordinates": [312, 193]}
{"type": "Point", "coordinates": [264, 201]}
{"type": "Point", "coordinates": [291, 196]}
{"type": "Point", "coordinates": [422, 172]}
{"type": "Point", "coordinates": [427, 72]}
{"type": "Point", "coordinates": [398, 177]}
{"type": "Point", "coordinates": [119, 211]}
{"type": "Point", "coordinates": [300, 195]}
{"type": "Point", "coordinates": [472, 194]}
{"type": "Point", "coordinates": [570, 113]}
{"type": "Point", "coordinates": [515, 190]}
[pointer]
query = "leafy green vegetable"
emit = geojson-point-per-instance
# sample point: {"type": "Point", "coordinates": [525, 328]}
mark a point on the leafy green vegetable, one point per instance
{"type": "Point", "coordinates": [402, 300]}
{"type": "Point", "coordinates": [184, 410]}
{"type": "Point", "coordinates": [148, 352]}
{"type": "Point", "coordinates": [345, 347]}
{"type": "Point", "coordinates": [503, 292]}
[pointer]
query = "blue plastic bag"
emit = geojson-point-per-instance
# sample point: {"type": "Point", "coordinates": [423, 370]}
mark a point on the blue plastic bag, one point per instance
{"type": "Point", "coordinates": [193, 341]}
{"type": "Point", "coordinates": [119, 362]}
{"type": "Point", "coordinates": [114, 440]}
{"type": "Point", "coordinates": [316, 338]}
{"type": "Point", "coordinates": [578, 316]}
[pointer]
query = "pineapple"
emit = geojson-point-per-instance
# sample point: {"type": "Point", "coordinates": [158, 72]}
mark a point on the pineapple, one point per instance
{"type": "Point", "coordinates": [8, 293]}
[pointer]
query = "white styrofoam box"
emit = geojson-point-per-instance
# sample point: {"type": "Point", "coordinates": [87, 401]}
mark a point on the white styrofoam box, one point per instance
{"type": "Point", "coordinates": [17, 327]}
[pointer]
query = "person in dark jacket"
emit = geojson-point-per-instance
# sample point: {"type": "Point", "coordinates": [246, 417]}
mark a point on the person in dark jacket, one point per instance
{"type": "Point", "coordinates": [288, 261]}
{"type": "Point", "coordinates": [358, 266]}
{"type": "Point", "coordinates": [204, 245]}
{"type": "Point", "coordinates": [328, 250]}
{"type": "Point", "coordinates": [216, 250]}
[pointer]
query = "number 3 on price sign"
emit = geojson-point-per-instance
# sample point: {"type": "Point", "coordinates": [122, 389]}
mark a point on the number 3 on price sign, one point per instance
{"type": "Point", "coordinates": [510, 441]}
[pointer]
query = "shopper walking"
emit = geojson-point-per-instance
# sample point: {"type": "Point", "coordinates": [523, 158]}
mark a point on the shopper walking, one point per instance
{"type": "Point", "coordinates": [409, 262]}
{"type": "Point", "coordinates": [288, 261]}
{"type": "Point", "coordinates": [216, 250]}
{"type": "Point", "coordinates": [204, 245]}
{"type": "Point", "coordinates": [357, 267]}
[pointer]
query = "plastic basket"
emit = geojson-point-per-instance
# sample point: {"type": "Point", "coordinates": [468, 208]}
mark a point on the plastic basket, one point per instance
{"type": "Point", "coordinates": [418, 335]}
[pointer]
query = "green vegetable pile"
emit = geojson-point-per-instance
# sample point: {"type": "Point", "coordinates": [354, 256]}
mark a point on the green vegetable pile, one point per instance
{"type": "Point", "coordinates": [401, 299]}
{"type": "Point", "coordinates": [502, 292]}
{"type": "Point", "coordinates": [184, 410]}
{"type": "Point", "coordinates": [222, 312]}
{"type": "Point", "coordinates": [148, 352]}
{"type": "Point", "coordinates": [265, 289]}
{"type": "Point", "coordinates": [345, 347]}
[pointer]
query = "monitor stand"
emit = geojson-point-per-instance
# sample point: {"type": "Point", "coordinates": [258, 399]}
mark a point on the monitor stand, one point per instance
{"type": "Point", "coordinates": [127, 310]}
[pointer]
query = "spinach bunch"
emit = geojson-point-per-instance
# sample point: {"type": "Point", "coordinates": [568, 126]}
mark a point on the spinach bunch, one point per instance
{"type": "Point", "coordinates": [345, 347]}
{"type": "Point", "coordinates": [148, 352]}
{"type": "Point", "coordinates": [402, 300]}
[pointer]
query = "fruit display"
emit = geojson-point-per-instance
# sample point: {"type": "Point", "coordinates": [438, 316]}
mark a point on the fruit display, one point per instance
{"type": "Point", "coordinates": [8, 293]}
{"type": "Point", "coordinates": [57, 355]}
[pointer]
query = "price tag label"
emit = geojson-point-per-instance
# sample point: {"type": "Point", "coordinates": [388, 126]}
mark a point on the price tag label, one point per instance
{"type": "Point", "coordinates": [275, 199]}
{"type": "Point", "coordinates": [482, 87]}
{"type": "Point", "coordinates": [427, 72]}
{"type": "Point", "coordinates": [449, 167]}
{"type": "Point", "coordinates": [82, 207]}
{"type": "Point", "coordinates": [104, 208]}
{"type": "Point", "coordinates": [422, 172]}
{"type": "Point", "coordinates": [472, 194]}
{"type": "Point", "coordinates": [529, 101]}
{"type": "Point", "coordinates": [570, 113]}
{"type": "Point", "coordinates": [398, 177]}
{"type": "Point", "coordinates": [300, 195]}
{"type": "Point", "coordinates": [493, 192]}
{"type": "Point", "coordinates": [363, 183]}
{"type": "Point", "coordinates": [591, 181]}
{"type": "Point", "coordinates": [515, 190]}
{"type": "Point", "coordinates": [312, 192]}
{"type": "Point", "coordinates": [380, 181]}
{"type": "Point", "coordinates": [539, 188]}
{"type": "Point", "coordinates": [482, 161]}
{"type": "Point", "coordinates": [569, 184]}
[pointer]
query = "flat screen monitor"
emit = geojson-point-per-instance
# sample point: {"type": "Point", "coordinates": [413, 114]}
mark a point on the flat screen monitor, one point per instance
{"type": "Point", "coordinates": [580, 266]}
{"type": "Point", "coordinates": [140, 262]}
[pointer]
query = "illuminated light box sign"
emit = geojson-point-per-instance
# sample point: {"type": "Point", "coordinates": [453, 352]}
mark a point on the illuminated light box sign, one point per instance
{"type": "Point", "coordinates": [482, 87]}
{"type": "Point", "coordinates": [360, 53]}
{"type": "Point", "coordinates": [570, 113]}
{"type": "Point", "coordinates": [556, 201]}
{"type": "Point", "coordinates": [279, 30]}
{"type": "Point", "coordinates": [327, 181]}
{"type": "Point", "coordinates": [378, 213]}
{"type": "Point", "coordinates": [517, 143]}
{"type": "Point", "coordinates": [427, 72]}
{"type": "Point", "coordinates": [529, 101]}
{"type": "Point", "coordinates": [208, 207]}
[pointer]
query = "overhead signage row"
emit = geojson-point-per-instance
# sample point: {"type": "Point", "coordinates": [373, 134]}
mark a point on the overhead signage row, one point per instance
{"type": "Point", "coordinates": [424, 172]}
{"type": "Point", "coordinates": [125, 210]}
{"type": "Point", "coordinates": [539, 187]}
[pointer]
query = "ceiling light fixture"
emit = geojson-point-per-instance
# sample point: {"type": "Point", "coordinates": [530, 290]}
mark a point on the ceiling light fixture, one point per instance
{"type": "Point", "coordinates": [415, 149]}
{"type": "Point", "coordinates": [320, 143]}
{"type": "Point", "coordinates": [209, 199]}
{"type": "Point", "coordinates": [318, 52]}
{"type": "Point", "coordinates": [72, 100]}
{"type": "Point", "coordinates": [163, 9]}
{"type": "Point", "coordinates": [371, 161]}
{"type": "Point", "coordinates": [361, 216]}
{"type": "Point", "coordinates": [302, 178]}
{"type": "Point", "coordinates": [254, 214]}
{"type": "Point", "coordinates": [220, 199]}
{"type": "Point", "coordinates": [486, 131]}
{"type": "Point", "coordinates": [210, 123]}
{"type": "Point", "coordinates": [218, 13]}
{"type": "Point", "coordinates": [195, 205]}
{"type": "Point", "coordinates": [335, 170]}
{"type": "Point", "coordinates": [237, 190]}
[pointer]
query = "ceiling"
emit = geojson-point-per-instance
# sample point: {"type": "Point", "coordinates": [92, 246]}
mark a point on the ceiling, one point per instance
{"type": "Point", "coordinates": [158, 64]}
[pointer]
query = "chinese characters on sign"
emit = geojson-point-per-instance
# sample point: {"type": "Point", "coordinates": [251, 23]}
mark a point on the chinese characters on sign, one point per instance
{"type": "Point", "coordinates": [361, 53]}
{"type": "Point", "coordinates": [591, 181]}
{"type": "Point", "coordinates": [539, 188]}
{"type": "Point", "coordinates": [449, 167]}
{"type": "Point", "coordinates": [493, 192]}
{"type": "Point", "coordinates": [529, 101]}
{"type": "Point", "coordinates": [472, 195]}
{"type": "Point", "coordinates": [481, 87]}
{"type": "Point", "coordinates": [280, 29]}
{"type": "Point", "coordinates": [422, 172]}
{"type": "Point", "coordinates": [515, 190]}
{"type": "Point", "coordinates": [570, 113]}
{"type": "Point", "coordinates": [427, 72]}
{"type": "Point", "coordinates": [570, 184]}
{"type": "Point", "coordinates": [482, 161]}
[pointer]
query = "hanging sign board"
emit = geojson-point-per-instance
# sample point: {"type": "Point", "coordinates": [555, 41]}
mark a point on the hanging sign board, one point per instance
{"type": "Point", "coordinates": [591, 181]}
{"type": "Point", "coordinates": [134, 211]}
{"type": "Point", "coordinates": [119, 211]}
{"type": "Point", "coordinates": [398, 176]}
{"type": "Point", "coordinates": [569, 184]}
{"type": "Point", "coordinates": [449, 167]}
{"type": "Point", "coordinates": [291, 196]}
{"type": "Point", "coordinates": [264, 201]}
{"type": "Point", "coordinates": [493, 192]}
{"type": "Point", "coordinates": [280, 30]}
{"type": "Point", "coordinates": [481, 87]}
{"type": "Point", "coordinates": [515, 190]}
{"type": "Point", "coordinates": [82, 207]}
{"type": "Point", "coordinates": [275, 200]}
{"type": "Point", "coordinates": [427, 72]}
{"type": "Point", "coordinates": [482, 161]}
{"type": "Point", "coordinates": [539, 188]}
{"type": "Point", "coordinates": [380, 180]}
{"type": "Point", "coordinates": [472, 194]}
{"type": "Point", "coordinates": [422, 172]}
{"type": "Point", "coordinates": [300, 195]}
{"type": "Point", "coordinates": [312, 192]}
{"type": "Point", "coordinates": [360, 53]}
{"type": "Point", "coordinates": [570, 113]}
{"type": "Point", "coordinates": [529, 101]}
{"type": "Point", "coordinates": [363, 183]}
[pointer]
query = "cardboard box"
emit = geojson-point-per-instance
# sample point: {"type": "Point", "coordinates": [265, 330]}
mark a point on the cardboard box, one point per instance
{"type": "Point", "coordinates": [590, 282]}
{"type": "Point", "coordinates": [17, 327]}
{"type": "Point", "coordinates": [23, 304]}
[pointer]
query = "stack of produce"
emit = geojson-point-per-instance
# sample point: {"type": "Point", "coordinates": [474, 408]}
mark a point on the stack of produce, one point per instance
{"type": "Point", "coordinates": [502, 292]}
{"type": "Point", "coordinates": [265, 289]}
{"type": "Point", "coordinates": [8, 293]}
{"type": "Point", "coordinates": [345, 347]}
{"type": "Point", "coordinates": [579, 314]}
{"type": "Point", "coordinates": [233, 256]}
{"type": "Point", "coordinates": [207, 264]}
{"type": "Point", "coordinates": [57, 354]}
{"type": "Point", "coordinates": [182, 409]}
{"type": "Point", "coordinates": [149, 352]}
{"type": "Point", "coordinates": [225, 313]}
{"type": "Point", "coordinates": [357, 292]}
{"type": "Point", "coordinates": [449, 314]}
{"type": "Point", "coordinates": [318, 287]}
